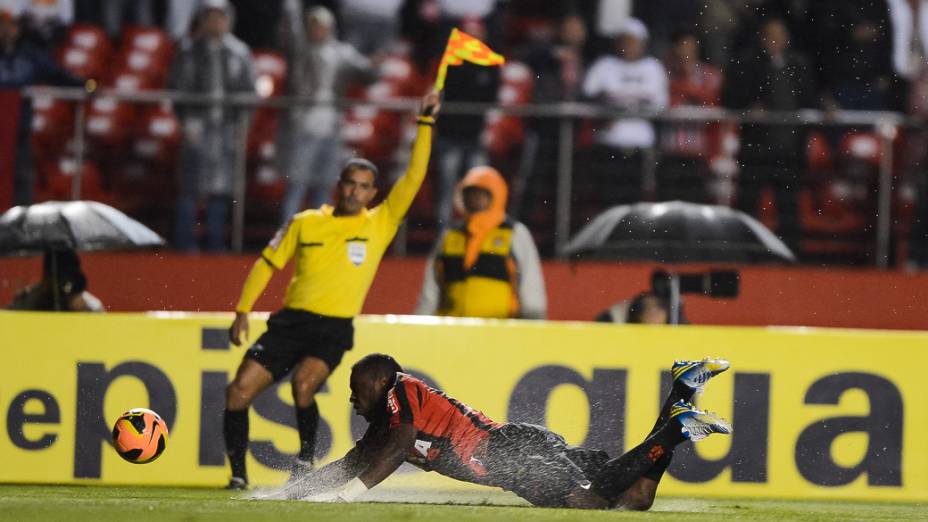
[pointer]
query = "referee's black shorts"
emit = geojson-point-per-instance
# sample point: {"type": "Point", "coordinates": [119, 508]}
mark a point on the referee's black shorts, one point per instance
{"type": "Point", "coordinates": [295, 334]}
{"type": "Point", "coordinates": [538, 464]}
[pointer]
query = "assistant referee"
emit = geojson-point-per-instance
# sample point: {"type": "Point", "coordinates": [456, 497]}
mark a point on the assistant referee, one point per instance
{"type": "Point", "coordinates": [337, 251]}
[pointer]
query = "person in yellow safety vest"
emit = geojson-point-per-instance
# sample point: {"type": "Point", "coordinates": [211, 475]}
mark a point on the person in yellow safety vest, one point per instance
{"type": "Point", "coordinates": [487, 265]}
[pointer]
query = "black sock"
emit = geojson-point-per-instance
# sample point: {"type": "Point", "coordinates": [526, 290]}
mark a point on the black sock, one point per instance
{"type": "Point", "coordinates": [620, 473]}
{"type": "Point", "coordinates": [307, 422]}
{"type": "Point", "coordinates": [235, 431]}
{"type": "Point", "coordinates": [678, 392]}
{"type": "Point", "coordinates": [660, 466]}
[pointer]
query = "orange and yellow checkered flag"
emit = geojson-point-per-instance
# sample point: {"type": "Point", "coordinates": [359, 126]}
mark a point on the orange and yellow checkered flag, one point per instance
{"type": "Point", "coordinates": [461, 48]}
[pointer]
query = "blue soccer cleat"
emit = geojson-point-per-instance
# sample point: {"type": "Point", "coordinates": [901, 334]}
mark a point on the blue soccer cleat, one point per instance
{"type": "Point", "coordinates": [697, 424]}
{"type": "Point", "coordinates": [695, 374]}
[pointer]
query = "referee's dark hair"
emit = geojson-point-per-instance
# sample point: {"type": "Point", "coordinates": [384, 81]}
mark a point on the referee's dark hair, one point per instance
{"type": "Point", "coordinates": [358, 164]}
{"type": "Point", "coordinates": [377, 365]}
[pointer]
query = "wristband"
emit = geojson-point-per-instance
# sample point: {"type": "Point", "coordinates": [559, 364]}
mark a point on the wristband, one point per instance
{"type": "Point", "coordinates": [425, 120]}
{"type": "Point", "coordinates": [352, 490]}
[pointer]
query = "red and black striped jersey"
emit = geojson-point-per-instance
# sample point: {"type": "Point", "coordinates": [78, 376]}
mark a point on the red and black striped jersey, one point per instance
{"type": "Point", "coordinates": [449, 432]}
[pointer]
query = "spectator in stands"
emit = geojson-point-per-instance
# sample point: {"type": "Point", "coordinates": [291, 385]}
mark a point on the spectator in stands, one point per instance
{"type": "Point", "coordinates": [454, 13]}
{"type": "Point", "coordinates": [909, 37]}
{"type": "Point", "coordinates": [256, 23]}
{"type": "Point", "coordinates": [487, 265]}
{"type": "Point", "coordinates": [634, 82]}
{"type": "Point", "coordinates": [558, 69]}
{"type": "Point", "coordinates": [666, 19]}
{"type": "Point", "coordinates": [179, 18]}
{"type": "Point", "coordinates": [117, 12]}
{"type": "Point", "coordinates": [644, 308]}
{"type": "Point", "coordinates": [63, 287]}
{"type": "Point", "coordinates": [910, 62]}
{"type": "Point", "coordinates": [371, 26]}
{"type": "Point", "coordinates": [718, 22]}
{"type": "Point", "coordinates": [853, 53]}
{"type": "Point", "coordinates": [458, 145]}
{"type": "Point", "coordinates": [428, 23]}
{"type": "Point", "coordinates": [606, 20]}
{"type": "Point", "coordinates": [211, 62]}
{"type": "Point", "coordinates": [683, 169]}
{"type": "Point", "coordinates": [22, 65]}
{"type": "Point", "coordinates": [320, 67]}
{"type": "Point", "coordinates": [771, 76]}
{"type": "Point", "coordinates": [45, 21]}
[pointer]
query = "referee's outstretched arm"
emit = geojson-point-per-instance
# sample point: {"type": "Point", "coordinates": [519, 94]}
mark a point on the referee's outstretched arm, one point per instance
{"type": "Point", "coordinates": [404, 190]}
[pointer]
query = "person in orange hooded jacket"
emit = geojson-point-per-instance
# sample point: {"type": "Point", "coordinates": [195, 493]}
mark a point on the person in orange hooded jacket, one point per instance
{"type": "Point", "coordinates": [487, 265]}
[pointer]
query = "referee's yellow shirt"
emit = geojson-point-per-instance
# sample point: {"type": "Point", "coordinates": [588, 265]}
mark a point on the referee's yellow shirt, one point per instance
{"type": "Point", "coordinates": [337, 256]}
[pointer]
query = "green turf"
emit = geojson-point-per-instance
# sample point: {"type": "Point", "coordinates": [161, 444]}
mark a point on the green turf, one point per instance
{"type": "Point", "coordinates": [79, 504]}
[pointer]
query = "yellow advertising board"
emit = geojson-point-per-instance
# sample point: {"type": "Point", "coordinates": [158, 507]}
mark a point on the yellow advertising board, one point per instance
{"type": "Point", "coordinates": [816, 413]}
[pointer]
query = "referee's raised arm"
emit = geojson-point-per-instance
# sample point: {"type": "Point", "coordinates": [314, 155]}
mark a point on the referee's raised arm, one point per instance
{"type": "Point", "coordinates": [404, 190]}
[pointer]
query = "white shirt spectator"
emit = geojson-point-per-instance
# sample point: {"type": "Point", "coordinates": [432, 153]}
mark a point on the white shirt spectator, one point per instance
{"type": "Point", "coordinates": [909, 27]}
{"type": "Point", "coordinates": [465, 9]}
{"type": "Point", "coordinates": [611, 16]}
{"type": "Point", "coordinates": [378, 8]}
{"type": "Point", "coordinates": [179, 17]}
{"type": "Point", "coordinates": [641, 85]}
{"type": "Point", "coordinates": [58, 12]}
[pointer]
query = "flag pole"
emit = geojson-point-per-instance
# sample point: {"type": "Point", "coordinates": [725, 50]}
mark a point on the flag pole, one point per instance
{"type": "Point", "coordinates": [443, 65]}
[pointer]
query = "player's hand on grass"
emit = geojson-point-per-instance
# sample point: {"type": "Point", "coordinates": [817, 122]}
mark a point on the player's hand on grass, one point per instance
{"type": "Point", "coordinates": [239, 329]}
{"type": "Point", "coordinates": [431, 103]}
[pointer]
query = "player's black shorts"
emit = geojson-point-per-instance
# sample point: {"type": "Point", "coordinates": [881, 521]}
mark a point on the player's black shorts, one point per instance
{"type": "Point", "coordinates": [539, 465]}
{"type": "Point", "coordinates": [294, 334]}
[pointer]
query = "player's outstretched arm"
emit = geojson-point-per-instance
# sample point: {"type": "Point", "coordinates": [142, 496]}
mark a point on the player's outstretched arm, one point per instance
{"type": "Point", "coordinates": [326, 479]}
{"type": "Point", "coordinates": [404, 190]}
{"type": "Point", "coordinates": [323, 485]}
{"type": "Point", "coordinates": [400, 441]}
{"type": "Point", "coordinates": [254, 285]}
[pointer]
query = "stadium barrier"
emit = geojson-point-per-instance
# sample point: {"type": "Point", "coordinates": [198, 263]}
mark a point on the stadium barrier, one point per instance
{"type": "Point", "coordinates": [770, 295]}
{"type": "Point", "coordinates": [885, 124]}
{"type": "Point", "coordinates": [817, 413]}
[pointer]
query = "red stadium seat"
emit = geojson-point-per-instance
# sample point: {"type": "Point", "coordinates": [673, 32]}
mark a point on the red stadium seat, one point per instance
{"type": "Point", "coordinates": [146, 52]}
{"type": "Point", "coordinates": [148, 39]}
{"type": "Point", "coordinates": [273, 66]}
{"type": "Point", "coordinates": [818, 153]}
{"type": "Point", "coordinates": [86, 52]}
{"type": "Point", "coordinates": [518, 76]}
{"type": "Point", "coordinates": [57, 177]}
{"type": "Point", "coordinates": [132, 82]}
{"type": "Point", "coordinates": [374, 133]}
{"type": "Point", "coordinates": [90, 38]}
{"type": "Point", "coordinates": [83, 63]}
{"type": "Point", "coordinates": [270, 73]}
{"type": "Point", "coordinates": [52, 124]}
{"type": "Point", "coordinates": [159, 136]}
{"type": "Point", "coordinates": [862, 146]}
{"type": "Point", "coordinates": [110, 122]}
{"type": "Point", "coordinates": [399, 71]}
{"type": "Point", "coordinates": [503, 132]}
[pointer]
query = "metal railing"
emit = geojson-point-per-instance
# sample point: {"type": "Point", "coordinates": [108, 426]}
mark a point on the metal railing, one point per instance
{"type": "Point", "coordinates": [568, 113]}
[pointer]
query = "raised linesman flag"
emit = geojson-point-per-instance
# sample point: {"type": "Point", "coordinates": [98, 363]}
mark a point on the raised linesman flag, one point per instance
{"type": "Point", "coordinates": [461, 48]}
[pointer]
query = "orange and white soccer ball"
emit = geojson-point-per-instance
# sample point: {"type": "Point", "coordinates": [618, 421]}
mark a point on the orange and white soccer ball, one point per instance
{"type": "Point", "coordinates": [140, 435]}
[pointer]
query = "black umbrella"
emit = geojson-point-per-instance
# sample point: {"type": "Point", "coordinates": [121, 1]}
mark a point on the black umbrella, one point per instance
{"type": "Point", "coordinates": [678, 232]}
{"type": "Point", "coordinates": [58, 228]}
{"type": "Point", "coordinates": [71, 225]}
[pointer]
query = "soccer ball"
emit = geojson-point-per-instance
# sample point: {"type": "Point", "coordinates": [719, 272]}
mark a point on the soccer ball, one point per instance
{"type": "Point", "coordinates": [140, 435]}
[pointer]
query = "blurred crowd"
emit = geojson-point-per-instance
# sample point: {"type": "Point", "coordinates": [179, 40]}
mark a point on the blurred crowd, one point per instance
{"type": "Point", "coordinates": [815, 186]}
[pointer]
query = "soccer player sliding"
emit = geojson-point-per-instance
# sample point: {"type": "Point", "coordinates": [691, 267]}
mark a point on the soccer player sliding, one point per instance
{"type": "Point", "coordinates": [412, 422]}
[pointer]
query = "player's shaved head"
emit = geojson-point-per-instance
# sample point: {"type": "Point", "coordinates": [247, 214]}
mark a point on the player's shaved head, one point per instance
{"type": "Point", "coordinates": [371, 378]}
{"type": "Point", "coordinates": [376, 366]}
